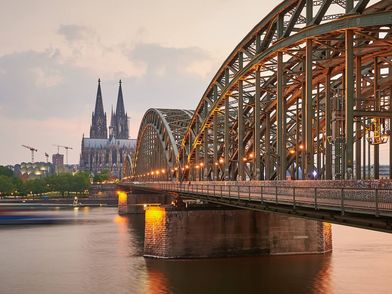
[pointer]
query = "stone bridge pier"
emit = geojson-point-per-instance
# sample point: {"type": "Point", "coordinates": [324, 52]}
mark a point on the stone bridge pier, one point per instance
{"type": "Point", "coordinates": [219, 232]}
{"type": "Point", "coordinates": [200, 230]}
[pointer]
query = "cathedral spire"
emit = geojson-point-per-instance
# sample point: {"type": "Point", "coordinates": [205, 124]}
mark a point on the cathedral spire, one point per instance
{"type": "Point", "coordinates": [98, 100]}
{"type": "Point", "coordinates": [120, 110]}
{"type": "Point", "coordinates": [98, 129]}
{"type": "Point", "coordinates": [120, 118]}
{"type": "Point", "coordinates": [112, 118]}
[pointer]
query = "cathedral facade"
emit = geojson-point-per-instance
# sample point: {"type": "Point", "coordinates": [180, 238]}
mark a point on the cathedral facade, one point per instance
{"type": "Point", "coordinates": [107, 148]}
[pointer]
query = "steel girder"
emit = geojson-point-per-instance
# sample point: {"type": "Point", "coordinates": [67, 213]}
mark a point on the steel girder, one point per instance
{"type": "Point", "coordinates": [305, 94]}
{"type": "Point", "coordinates": [160, 135]}
{"type": "Point", "coordinates": [296, 95]}
{"type": "Point", "coordinates": [128, 166]}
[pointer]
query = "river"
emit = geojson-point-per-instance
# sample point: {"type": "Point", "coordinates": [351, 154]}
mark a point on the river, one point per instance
{"type": "Point", "coordinates": [101, 252]}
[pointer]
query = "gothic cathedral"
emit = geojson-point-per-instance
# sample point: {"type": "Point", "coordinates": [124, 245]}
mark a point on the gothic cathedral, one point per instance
{"type": "Point", "coordinates": [102, 152]}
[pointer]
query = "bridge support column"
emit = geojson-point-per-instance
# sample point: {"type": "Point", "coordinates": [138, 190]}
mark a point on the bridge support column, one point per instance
{"type": "Point", "coordinates": [215, 146]}
{"type": "Point", "coordinates": [257, 130]}
{"type": "Point", "coordinates": [308, 110]}
{"type": "Point", "coordinates": [358, 93]}
{"type": "Point", "coordinates": [212, 232]}
{"type": "Point", "coordinates": [281, 122]}
{"type": "Point", "coordinates": [241, 127]}
{"type": "Point", "coordinates": [280, 111]}
{"type": "Point", "coordinates": [226, 132]}
{"type": "Point", "coordinates": [267, 155]}
{"type": "Point", "coordinates": [349, 103]}
{"type": "Point", "coordinates": [328, 130]}
{"type": "Point", "coordinates": [377, 108]}
{"type": "Point", "coordinates": [205, 172]}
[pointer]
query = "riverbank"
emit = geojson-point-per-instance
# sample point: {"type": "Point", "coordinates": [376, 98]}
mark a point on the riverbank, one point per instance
{"type": "Point", "coordinates": [111, 202]}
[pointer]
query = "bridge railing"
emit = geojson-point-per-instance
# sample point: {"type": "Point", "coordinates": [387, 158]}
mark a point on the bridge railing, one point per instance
{"type": "Point", "coordinates": [371, 200]}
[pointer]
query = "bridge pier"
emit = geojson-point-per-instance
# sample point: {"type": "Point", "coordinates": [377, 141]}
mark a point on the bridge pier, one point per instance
{"type": "Point", "coordinates": [215, 232]}
{"type": "Point", "coordinates": [135, 203]}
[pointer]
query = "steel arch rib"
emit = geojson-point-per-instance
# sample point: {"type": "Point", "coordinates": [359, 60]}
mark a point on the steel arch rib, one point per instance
{"type": "Point", "coordinates": [347, 21]}
{"type": "Point", "coordinates": [227, 115]}
{"type": "Point", "coordinates": [166, 123]}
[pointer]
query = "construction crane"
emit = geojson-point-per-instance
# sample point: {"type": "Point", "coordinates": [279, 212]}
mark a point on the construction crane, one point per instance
{"type": "Point", "coordinates": [66, 151]}
{"type": "Point", "coordinates": [58, 148]}
{"type": "Point", "coordinates": [32, 149]}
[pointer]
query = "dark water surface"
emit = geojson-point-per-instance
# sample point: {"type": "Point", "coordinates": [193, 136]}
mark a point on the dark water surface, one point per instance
{"type": "Point", "coordinates": [101, 252]}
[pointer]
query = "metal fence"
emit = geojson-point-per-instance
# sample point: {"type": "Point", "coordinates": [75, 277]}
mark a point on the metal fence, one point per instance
{"type": "Point", "coordinates": [375, 201]}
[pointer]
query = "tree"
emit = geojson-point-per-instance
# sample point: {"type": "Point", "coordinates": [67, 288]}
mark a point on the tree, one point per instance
{"type": "Point", "coordinates": [5, 171]}
{"type": "Point", "coordinates": [101, 176]}
{"type": "Point", "coordinates": [6, 185]}
{"type": "Point", "coordinates": [37, 186]}
{"type": "Point", "coordinates": [80, 182]}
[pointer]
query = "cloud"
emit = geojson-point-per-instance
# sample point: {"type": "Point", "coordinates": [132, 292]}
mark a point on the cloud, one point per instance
{"type": "Point", "coordinates": [39, 85]}
{"type": "Point", "coordinates": [162, 61]}
{"type": "Point", "coordinates": [73, 32]}
{"type": "Point", "coordinates": [51, 97]}
{"type": "Point", "coordinates": [85, 49]}
{"type": "Point", "coordinates": [174, 78]}
{"type": "Point", "coordinates": [41, 134]}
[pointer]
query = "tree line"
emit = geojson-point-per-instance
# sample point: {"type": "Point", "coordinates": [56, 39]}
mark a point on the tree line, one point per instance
{"type": "Point", "coordinates": [62, 183]}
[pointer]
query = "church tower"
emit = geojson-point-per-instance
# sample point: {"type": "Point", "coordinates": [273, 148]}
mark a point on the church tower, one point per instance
{"type": "Point", "coordinates": [98, 129]}
{"type": "Point", "coordinates": [119, 119]}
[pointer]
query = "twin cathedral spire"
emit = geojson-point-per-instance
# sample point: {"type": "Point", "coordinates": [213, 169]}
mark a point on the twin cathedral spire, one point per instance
{"type": "Point", "coordinates": [118, 123]}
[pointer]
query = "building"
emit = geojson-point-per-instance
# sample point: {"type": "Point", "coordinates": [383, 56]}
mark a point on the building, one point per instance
{"type": "Point", "coordinates": [103, 151]}
{"type": "Point", "coordinates": [58, 162]}
{"type": "Point", "coordinates": [33, 170]}
{"type": "Point", "coordinates": [58, 159]}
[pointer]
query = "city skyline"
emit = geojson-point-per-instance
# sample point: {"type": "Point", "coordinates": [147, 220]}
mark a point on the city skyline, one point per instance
{"type": "Point", "coordinates": [165, 54]}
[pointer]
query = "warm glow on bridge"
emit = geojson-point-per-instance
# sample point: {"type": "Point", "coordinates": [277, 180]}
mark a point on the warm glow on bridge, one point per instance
{"type": "Point", "coordinates": [122, 198]}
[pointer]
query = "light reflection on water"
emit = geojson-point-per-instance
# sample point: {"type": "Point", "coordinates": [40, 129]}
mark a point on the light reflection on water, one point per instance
{"type": "Point", "coordinates": [101, 252]}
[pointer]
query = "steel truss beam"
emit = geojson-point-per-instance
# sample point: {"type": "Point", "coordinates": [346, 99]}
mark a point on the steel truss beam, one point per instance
{"type": "Point", "coordinates": [306, 85]}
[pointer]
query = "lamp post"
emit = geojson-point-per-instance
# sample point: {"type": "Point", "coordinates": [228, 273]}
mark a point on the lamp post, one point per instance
{"type": "Point", "coordinates": [201, 170]}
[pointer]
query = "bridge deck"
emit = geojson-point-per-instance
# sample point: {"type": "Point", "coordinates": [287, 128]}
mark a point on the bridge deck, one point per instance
{"type": "Point", "coordinates": [368, 207]}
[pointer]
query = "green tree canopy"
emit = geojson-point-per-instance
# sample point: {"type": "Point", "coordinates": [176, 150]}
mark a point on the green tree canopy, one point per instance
{"type": "Point", "coordinates": [6, 185]}
{"type": "Point", "coordinates": [5, 171]}
{"type": "Point", "coordinates": [57, 183]}
{"type": "Point", "coordinates": [101, 176]}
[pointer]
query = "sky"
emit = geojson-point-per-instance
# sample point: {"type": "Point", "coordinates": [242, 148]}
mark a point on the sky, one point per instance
{"type": "Point", "coordinates": [52, 53]}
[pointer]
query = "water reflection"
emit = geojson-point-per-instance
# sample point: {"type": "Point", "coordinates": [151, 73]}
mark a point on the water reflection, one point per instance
{"type": "Point", "coordinates": [101, 252]}
{"type": "Point", "coordinates": [277, 274]}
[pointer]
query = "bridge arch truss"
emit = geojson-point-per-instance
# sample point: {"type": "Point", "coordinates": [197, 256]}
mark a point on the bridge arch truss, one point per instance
{"type": "Point", "coordinates": [306, 94]}
{"type": "Point", "coordinates": [159, 138]}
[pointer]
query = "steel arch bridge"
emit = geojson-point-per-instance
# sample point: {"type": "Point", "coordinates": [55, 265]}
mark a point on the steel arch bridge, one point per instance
{"type": "Point", "coordinates": [159, 138]}
{"type": "Point", "coordinates": [306, 94]}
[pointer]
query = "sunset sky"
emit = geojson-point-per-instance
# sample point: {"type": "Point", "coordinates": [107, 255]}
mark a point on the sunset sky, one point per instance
{"type": "Point", "coordinates": [53, 52]}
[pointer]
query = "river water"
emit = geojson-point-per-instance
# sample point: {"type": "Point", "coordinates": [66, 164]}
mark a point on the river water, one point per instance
{"type": "Point", "coordinates": [101, 252]}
